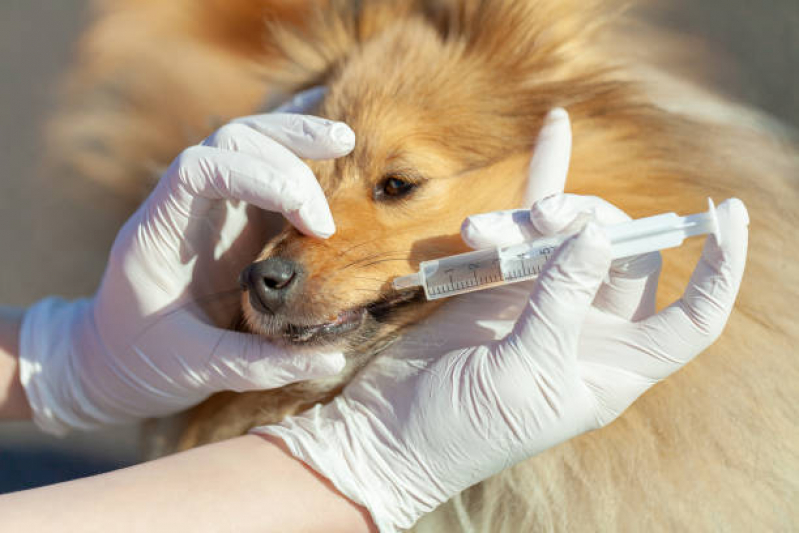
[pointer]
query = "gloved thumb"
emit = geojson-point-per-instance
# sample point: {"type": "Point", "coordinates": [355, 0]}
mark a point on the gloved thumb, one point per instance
{"type": "Point", "coordinates": [243, 361]}
{"type": "Point", "coordinates": [688, 326]}
{"type": "Point", "coordinates": [558, 213]}
{"type": "Point", "coordinates": [559, 303]}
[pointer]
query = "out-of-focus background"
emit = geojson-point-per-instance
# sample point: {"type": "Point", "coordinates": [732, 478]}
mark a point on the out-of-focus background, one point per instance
{"type": "Point", "coordinates": [758, 47]}
{"type": "Point", "coordinates": [37, 42]}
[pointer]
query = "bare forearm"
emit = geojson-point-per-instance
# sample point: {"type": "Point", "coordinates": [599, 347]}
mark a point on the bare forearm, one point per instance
{"type": "Point", "coordinates": [13, 402]}
{"type": "Point", "coordinates": [245, 484]}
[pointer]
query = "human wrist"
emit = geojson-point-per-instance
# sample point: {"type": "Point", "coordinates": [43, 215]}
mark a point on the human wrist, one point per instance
{"type": "Point", "coordinates": [346, 450]}
{"type": "Point", "coordinates": [13, 402]}
{"type": "Point", "coordinates": [366, 521]}
{"type": "Point", "coordinates": [50, 370]}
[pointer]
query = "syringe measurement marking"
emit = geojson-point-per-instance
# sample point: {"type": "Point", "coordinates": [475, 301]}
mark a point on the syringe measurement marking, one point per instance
{"type": "Point", "coordinates": [527, 270]}
{"type": "Point", "coordinates": [452, 286]}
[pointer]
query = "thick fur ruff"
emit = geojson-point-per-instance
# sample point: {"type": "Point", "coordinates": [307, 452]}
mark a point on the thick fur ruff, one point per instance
{"type": "Point", "coordinates": [460, 88]}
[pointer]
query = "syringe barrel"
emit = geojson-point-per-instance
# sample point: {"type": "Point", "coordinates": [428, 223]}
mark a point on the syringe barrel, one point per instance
{"type": "Point", "coordinates": [482, 269]}
{"type": "Point", "coordinates": [460, 273]}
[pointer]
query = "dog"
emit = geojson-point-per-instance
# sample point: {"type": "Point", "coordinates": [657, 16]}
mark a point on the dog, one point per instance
{"type": "Point", "coordinates": [446, 98]}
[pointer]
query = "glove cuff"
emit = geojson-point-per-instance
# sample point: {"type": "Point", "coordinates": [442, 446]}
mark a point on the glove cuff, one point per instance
{"type": "Point", "coordinates": [326, 440]}
{"type": "Point", "coordinates": [49, 367]}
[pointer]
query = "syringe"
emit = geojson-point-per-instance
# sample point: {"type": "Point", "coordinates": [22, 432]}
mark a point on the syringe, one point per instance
{"type": "Point", "coordinates": [492, 267]}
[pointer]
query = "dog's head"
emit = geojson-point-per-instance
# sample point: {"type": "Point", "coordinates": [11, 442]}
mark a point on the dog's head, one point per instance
{"type": "Point", "coordinates": [445, 102]}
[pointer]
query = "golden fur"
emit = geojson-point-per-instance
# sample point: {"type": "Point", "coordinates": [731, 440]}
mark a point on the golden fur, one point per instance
{"type": "Point", "coordinates": [452, 93]}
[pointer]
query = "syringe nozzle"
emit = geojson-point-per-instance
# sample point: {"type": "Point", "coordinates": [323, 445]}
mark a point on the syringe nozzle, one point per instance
{"type": "Point", "coordinates": [407, 282]}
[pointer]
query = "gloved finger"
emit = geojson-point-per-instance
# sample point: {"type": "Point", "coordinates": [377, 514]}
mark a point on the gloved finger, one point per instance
{"type": "Point", "coordinates": [304, 101]}
{"type": "Point", "coordinates": [628, 296]}
{"type": "Point", "coordinates": [498, 228]}
{"type": "Point", "coordinates": [546, 176]}
{"type": "Point", "coordinates": [305, 135]}
{"type": "Point", "coordinates": [549, 327]}
{"type": "Point", "coordinates": [631, 288]}
{"type": "Point", "coordinates": [237, 137]}
{"type": "Point", "coordinates": [243, 361]}
{"type": "Point", "coordinates": [553, 215]}
{"type": "Point", "coordinates": [687, 327]}
{"type": "Point", "coordinates": [283, 184]}
{"type": "Point", "coordinates": [549, 165]}
{"type": "Point", "coordinates": [567, 213]}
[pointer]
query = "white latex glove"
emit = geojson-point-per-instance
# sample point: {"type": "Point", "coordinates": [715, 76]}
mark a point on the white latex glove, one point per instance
{"type": "Point", "coordinates": [630, 289]}
{"type": "Point", "coordinates": [631, 286]}
{"type": "Point", "coordinates": [141, 347]}
{"type": "Point", "coordinates": [479, 387]}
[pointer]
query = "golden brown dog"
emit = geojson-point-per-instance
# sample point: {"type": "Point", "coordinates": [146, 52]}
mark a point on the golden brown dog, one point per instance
{"type": "Point", "coordinates": [446, 98]}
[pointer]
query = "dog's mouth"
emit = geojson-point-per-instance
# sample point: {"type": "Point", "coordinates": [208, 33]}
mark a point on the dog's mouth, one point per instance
{"type": "Point", "coordinates": [345, 322]}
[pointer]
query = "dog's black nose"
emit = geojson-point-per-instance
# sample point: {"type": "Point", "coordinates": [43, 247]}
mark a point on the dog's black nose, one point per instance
{"type": "Point", "coordinates": [269, 282]}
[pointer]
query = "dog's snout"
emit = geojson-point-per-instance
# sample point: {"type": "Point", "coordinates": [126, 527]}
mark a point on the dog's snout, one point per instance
{"type": "Point", "coordinates": [269, 283]}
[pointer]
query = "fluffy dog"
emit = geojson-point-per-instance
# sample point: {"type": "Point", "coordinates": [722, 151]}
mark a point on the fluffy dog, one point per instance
{"type": "Point", "coordinates": [446, 98]}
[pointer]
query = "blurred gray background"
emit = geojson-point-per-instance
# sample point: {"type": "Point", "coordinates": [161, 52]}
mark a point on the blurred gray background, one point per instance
{"type": "Point", "coordinates": [758, 43]}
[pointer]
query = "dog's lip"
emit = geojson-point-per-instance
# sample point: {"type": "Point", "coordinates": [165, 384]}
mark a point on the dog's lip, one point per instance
{"type": "Point", "coordinates": [347, 320]}
{"type": "Point", "coordinates": [344, 322]}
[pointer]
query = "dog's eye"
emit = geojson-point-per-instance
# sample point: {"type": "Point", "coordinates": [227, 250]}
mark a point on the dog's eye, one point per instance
{"type": "Point", "coordinates": [393, 188]}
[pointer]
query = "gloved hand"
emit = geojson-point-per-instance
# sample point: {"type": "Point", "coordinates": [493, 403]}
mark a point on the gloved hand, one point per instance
{"type": "Point", "coordinates": [479, 387]}
{"type": "Point", "coordinates": [142, 347]}
{"type": "Point", "coordinates": [631, 286]}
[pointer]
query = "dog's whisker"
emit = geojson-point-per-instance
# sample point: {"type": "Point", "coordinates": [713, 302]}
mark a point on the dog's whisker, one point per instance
{"type": "Point", "coordinates": [396, 231]}
{"type": "Point", "coordinates": [368, 278]}
{"type": "Point", "coordinates": [378, 262]}
{"type": "Point", "coordinates": [373, 256]}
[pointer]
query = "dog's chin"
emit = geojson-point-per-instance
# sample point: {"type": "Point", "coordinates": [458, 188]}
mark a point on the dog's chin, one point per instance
{"type": "Point", "coordinates": [352, 326]}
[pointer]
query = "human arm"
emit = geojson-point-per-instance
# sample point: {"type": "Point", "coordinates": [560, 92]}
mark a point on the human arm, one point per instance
{"type": "Point", "coordinates": [247, 477]}
{"type": "Point", "coordinates": [13, 403]}
{"type": "Point", "coordinates": [243, 484]}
